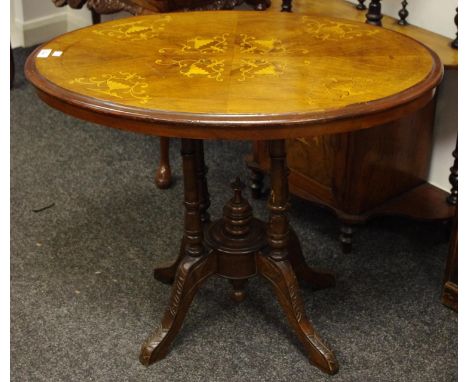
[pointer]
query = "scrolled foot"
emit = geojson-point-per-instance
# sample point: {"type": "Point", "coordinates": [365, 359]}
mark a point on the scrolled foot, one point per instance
{"type": "Point", "coordinates": [281, 276]}
{"type": "Point", "coordinates": [191, 274]}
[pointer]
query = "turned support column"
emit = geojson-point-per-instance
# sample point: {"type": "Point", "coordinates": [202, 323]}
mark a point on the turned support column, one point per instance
{"type": "Point", "coordinates": [278, 203]}
{"type": "Point", "coordinates": [374, 14]}
{"type": "Point", "coordinates": [193, 227]}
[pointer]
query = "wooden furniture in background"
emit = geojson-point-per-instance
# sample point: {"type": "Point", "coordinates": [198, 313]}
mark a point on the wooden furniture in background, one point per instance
{"type": "Point", "coordinates": [264, 101]}
{"type": "Point", "coordinates": [163, 175]}
{"type": "Point", "coordinates": [455, 42]}
{"type": "Point", "coordinates": [403, 13]}
{"type": "Point", "coordinates": [360, 175]}
{"type": "Point", "coordinates": [374, 13]}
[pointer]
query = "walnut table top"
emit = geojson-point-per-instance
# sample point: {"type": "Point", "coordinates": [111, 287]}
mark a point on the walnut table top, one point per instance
{"type": "Point", "coordinates": [236, 75]}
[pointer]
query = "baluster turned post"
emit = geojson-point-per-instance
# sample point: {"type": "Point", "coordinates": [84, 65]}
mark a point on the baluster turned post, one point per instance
{"type": "Point", "coordinates": [453, 179]}
{"type": "Point", "coordinates": [286, 6]}
{"type": "Point", "coordinates": [374, 14]}
{"type": "Point", "coordinates": [455, 42]}
{"type": "Point", "coordinates": [361, 6]}
{"type": "Point", "coordinates": [403, 13]}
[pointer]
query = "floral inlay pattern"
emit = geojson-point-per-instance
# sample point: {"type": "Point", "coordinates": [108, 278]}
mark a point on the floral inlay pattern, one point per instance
{"type": "Point", "coordinates": [203, 45]}
{"type": "Point", "coordinates": [203, 67]}
{"type": "Point", "coordinates": [136, 30]}
{"type": "Point", "coordinates": [118, 85]}
{"type": "Point", "coordinates": [258, 67]}
{"type": "Point", "coordinates": [213, 49]}
{"type": "Point", "coordinates": [253, 45]}
{"type": "Point", "coordinates": [334, 30]}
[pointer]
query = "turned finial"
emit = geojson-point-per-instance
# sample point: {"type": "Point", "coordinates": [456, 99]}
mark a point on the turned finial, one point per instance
{"type": "Point", "coordinates": [455, 42]}
{"type": "Point", "coordinates": [403, 13]}
{"type": "Point", "coordinates": [237, 213]}
{"type": "Point", "coordinates": [374, 14]}
{"type": "Point", "coordinates": [361, 6]}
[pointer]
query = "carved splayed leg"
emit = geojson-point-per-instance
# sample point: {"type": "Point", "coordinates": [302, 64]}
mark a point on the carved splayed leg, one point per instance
{"type": "Point", "coordinates": [191, 274]}
{"type": "Point", "coordinates": [281, 276]}
{"type": "Point", "coordinates": [194, 268]}
{"type": "Point", "coordinates": [275, 266]}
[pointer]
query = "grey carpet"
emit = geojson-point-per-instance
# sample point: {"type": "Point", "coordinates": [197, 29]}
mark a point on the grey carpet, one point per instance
{"type": "Point", "coordinates": [83, 298]}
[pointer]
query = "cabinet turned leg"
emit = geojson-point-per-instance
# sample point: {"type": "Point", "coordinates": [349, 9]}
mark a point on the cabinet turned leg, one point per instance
{"type": "Point", "coordinates": [346, 238]}
{"type": "Point", "coordinates": [163, 177]}
{"type": "Point", "coordinates": [238, 294]}
{"type": "Point", "coordinates": [256, 185]}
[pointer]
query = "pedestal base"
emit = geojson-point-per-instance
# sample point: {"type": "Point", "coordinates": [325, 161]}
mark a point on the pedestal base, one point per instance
{"type": "Point", "coordinates": [238, 261]}
{"type": "Point", "coordinates": [238, 247]}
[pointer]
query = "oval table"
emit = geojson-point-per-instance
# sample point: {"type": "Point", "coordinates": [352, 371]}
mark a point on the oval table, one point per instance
{"type": "Point", "coordinates": [236, 75]}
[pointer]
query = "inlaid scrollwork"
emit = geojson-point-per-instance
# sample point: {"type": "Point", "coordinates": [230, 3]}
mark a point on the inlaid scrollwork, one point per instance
{"type": "Point", "coordinates": [330, 30]}
{"type": "Point", "coordinates": [135, 30]}
{"type": "Point", "coordinates": [118, 85]}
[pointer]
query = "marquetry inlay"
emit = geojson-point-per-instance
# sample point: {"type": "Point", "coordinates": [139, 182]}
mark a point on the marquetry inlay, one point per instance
{"type": "Point", "coordinates": [332, 30]}
{"type": "Point", "coordinates": [134, 30]}
{"type": "Point", "coordinates": [117, 85]}
{"type": "Point", "coordinates": [235, 62]}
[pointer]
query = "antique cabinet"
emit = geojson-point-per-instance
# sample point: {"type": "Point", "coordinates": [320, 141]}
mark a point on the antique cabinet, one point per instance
{"type": "Point", "coordinates": [363, 174]}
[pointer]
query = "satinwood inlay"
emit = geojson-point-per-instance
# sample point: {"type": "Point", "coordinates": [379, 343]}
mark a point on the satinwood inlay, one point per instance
{"type": "Point", "coordinates": [235, 63]}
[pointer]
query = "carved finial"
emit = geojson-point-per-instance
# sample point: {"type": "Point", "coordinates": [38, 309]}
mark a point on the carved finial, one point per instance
{"type": "Point", "coordinates": [403, 13]}
{"type": "Point", "coordinates": [455, 42]}
{"type": "Point", "coordinates": [237, 213]}
{"type": "Point", "coordinates": [374, 14]}
{"type": "Point", "coordinates": [361, 6]}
